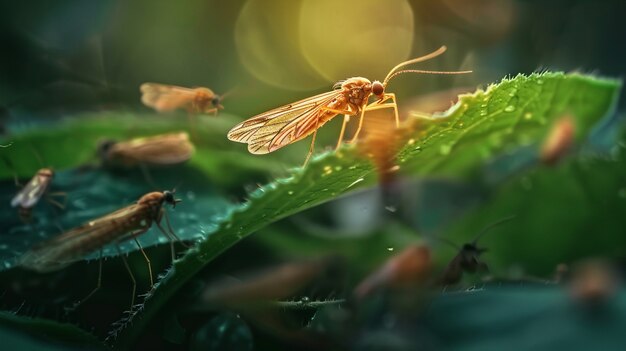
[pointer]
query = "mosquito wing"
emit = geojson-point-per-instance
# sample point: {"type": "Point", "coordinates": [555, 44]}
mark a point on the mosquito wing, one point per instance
{"type": "Point", "coordinates": [165, 149]}
{"type": "Point", "coordinates": [32, 192]}
{"type": "Point", "coordinates": [165, 98]}
{"type": "Point", "coordinates": [282, 126]}
{"type": "Point", "coordinates": [62, 250]}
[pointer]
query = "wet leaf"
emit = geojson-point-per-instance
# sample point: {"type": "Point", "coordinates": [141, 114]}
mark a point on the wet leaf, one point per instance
{"type": "Point", "coordinates": [481, 125]}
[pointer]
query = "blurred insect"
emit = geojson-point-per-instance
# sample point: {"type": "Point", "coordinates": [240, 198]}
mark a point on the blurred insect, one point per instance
{"type": "Point", "coordinates": [593, 282]}
{"type": "Point", "coordinates": [164, 98]}
{"type": "Point", "coordinates": [411, 267]}
{"type": "Point", "coordinates": [124, 224]}
{"type": "Point", "coordinates": [277, 283]}
{"type": "Point", "coordinates": [36, 188]}
{"type": "Point", "coordinates": [559, 141]}
{"type": "Point", "coordinates": [159, 150]}
{"type": "Point", "coordinates": [271, 130]}
{"type": "Point", "coordinates": [467, 260]}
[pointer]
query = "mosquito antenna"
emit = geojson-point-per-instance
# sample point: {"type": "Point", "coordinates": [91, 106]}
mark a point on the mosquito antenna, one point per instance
{"type": "Point", "coordinates": [426, 57]}
{"type": "Point", "coordinates": [424, 72]}
{"type": "Point", "coordinates": [491, 226]}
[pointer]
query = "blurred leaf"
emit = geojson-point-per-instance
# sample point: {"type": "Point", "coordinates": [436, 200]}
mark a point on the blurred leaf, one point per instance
{"type": "Point", "coordinates": [201, 182]}
{"type": "Point", "coordinates": [479, 126]}
{"type": "Point", "coordinates": [562, 213]}
{"type": "Point", "coordinates": [495, 318]}
{"type": "Point", "coordinates": [58, 336]}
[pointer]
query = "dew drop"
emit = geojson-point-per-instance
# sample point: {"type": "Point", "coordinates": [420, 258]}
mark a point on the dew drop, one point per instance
{"type": "Point", "coordinates": [337, 168]}
{"type": "Point", "coordinates": [290, 192]}
{"type": "Point", "coordinates": [528, 115]}
{"type": "Point", "coordinates": [411, 141]}
{"type": "Point", "coordinates": [509, 108]}
{"type": "Point", "coordinates": [390, 249]}
{"type": "Point", "coordinates": [483, 113]}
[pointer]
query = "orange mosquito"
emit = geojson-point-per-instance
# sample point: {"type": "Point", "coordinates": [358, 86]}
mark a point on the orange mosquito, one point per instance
{"type": "Point", "coordinates": [287, 124]}
{"type": "Point", "coordinates": [164, 98]}
{"type": "Point", "coordinates": [124, 224]}
{"type": "Point", "coordinates": [159, 150]}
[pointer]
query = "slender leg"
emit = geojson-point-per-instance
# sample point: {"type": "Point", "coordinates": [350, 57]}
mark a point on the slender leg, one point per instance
{"type": "Point", "coordinates": [376, 106]}
{"type": "Point", "coordinates": [347, 113]}
{"type": "Point", "coordinates": [358, 130]}
{"type": "Point", "coordinates": [171, 231]}
{"type": "Point", "coordinates": [308, 156]}
{"type": "Point", "coordinates": [132, 277]}
{"type": "Point", "coordinates": [60, 205]}
{"type": "Point", "coordinates": [98, 285]}
{"type": "Point", "coordinates": [346, 119]}
{"type": "Point", "coordinates": [144, 255]}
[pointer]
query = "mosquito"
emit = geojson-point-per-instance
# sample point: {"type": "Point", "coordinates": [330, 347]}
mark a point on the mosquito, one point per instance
{"type": "Point", "coordinates": [124, 224]}
{"type": "Point", "coordinates": [271, 130]}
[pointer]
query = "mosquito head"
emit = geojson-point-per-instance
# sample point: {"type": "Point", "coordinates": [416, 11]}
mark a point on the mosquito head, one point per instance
{"type": "Point", "coordinates": [104, 147]}
{"type": "Point", "coordinates": [378, 89]}
{"type": "Point", "coordinates": [46, 172]}
{"type": "Point", "coordinates": [216, 102]}
{"type": "Point", "coordinates": [168, 197]}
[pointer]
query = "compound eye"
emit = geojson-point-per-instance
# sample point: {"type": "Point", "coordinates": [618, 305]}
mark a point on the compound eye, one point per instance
{"type": "Point", "coordinates": [215, 101]}
{"type": "Point", "coordinates": [377, 88]}
{"type": "Point", "coordinates": [168, 196]}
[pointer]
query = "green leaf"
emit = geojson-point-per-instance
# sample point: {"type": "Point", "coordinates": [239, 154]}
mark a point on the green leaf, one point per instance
{"type": "Point", "coordinates": [480, 126]}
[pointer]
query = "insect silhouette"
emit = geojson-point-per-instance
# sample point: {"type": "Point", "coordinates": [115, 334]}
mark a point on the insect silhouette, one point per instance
{"type": "Point", "coordinates": [124, 224]}
{"type": "Point", "coordinates": [159, 150]}
{"type": "Point", "coordinates": [164, 98]}
{"type": "Point", "coordinates": [467, 260]}
{"type": "Point", "coordinates": [271, 130]}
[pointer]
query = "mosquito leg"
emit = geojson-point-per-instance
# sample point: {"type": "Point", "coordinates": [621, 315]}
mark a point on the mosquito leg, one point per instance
{"type": "Point", "coordinates": [346, 119]}
{"type": "Point", "coordinates": [376, 105]}
{"type": "Point", "coordinates": [308, 156]}
{"type": "Point", "coordinates": [98, 285]}
{"type": "Point", "coordinates": [144, 255]}
{"type": "Point", "coordinates": [167, 235]}
{"type": "Point", "coordinates": [171, 230]}
{"type": "Point", "coordinates": [132, 277]}
{"type": "Point", "coordinates": [56, 203]}
{"type": "Point", "coordinates": [358, 130]}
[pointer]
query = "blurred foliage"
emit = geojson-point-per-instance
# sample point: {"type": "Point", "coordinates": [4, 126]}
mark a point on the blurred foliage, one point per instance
{"type": "Point", "coordinates": [331, 175]}
{"type": "Point", "coordinates": [70, 76]}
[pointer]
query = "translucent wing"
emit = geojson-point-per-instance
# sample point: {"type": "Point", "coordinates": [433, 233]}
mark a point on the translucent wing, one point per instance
{"type": "Point", "coordinates": [60, 251]}
{"type": "Point", "coordinates": [165, 149]}
{"type": "Point", "coordinates": [32, 192]}
{"type": "Point", "coordinates": [164, 98]}
{"type": "Point", "coordinates": [276, 128]}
